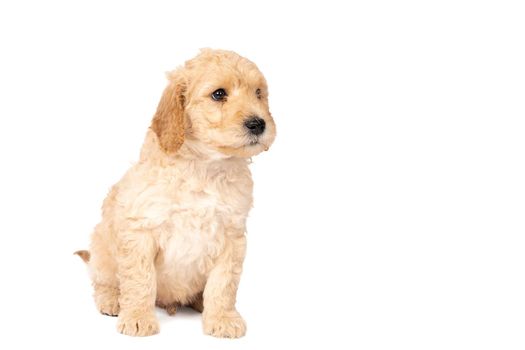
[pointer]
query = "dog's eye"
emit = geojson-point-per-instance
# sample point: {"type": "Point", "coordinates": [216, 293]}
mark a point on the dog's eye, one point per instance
{"type": "Point", "coordinates": [258, 93]}
{"type": "Point", "coordinates": [219, 95]}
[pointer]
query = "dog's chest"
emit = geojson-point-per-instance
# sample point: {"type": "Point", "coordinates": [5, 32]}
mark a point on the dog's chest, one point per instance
{"type": "Point", "coordinates": [203, 214]}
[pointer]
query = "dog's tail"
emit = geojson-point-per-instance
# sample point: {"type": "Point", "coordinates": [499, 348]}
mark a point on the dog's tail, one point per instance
{"type": "Point", "coordinates": [84, 255]}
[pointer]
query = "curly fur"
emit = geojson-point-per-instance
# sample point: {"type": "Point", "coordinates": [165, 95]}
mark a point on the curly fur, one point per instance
{"type": "Point", "coordinates": [173, 228]}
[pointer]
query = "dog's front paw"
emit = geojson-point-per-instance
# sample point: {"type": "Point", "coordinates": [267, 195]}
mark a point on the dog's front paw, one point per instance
{"type": "Point", "coordinates": [139, 326]}
{"type": "Point", "coordinates": [225, 325]}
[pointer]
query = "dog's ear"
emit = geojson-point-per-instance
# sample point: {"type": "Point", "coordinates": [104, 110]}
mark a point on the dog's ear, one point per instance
{"type": "Point", "coordinates": [169, 120]}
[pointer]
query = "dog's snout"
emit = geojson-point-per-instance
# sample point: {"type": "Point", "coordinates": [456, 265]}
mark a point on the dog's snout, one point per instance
{"type": "Point", "coordinates": [255, 125]}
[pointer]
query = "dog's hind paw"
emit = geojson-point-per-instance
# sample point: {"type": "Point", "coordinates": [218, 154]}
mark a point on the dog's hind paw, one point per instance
{"type": "Point", "coordinates": [106, 299]}
{"type": "Point", "coordinates": [109, 308]}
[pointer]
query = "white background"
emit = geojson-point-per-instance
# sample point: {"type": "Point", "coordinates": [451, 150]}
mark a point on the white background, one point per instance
{"type": "Point", "coordinates": [389, 214]}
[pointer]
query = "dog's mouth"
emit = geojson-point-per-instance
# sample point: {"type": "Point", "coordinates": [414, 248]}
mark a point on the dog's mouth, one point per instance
{"type": "Point", "coordinates": [254, 140]}
{"type": "Point", "coordinates": [251, 147]}
{"type": "Point", "coordinates": [257, 143]}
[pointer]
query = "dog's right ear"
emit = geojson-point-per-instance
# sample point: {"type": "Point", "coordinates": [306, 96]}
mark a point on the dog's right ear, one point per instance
{"type": "Point", "coordinates": [168, 122]}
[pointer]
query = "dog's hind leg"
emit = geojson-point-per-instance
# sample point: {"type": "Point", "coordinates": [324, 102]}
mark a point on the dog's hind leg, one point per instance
{"type": "Point", "coordinates": [106, 298]}
{"type": "Point", "coordinates": [103, 270]}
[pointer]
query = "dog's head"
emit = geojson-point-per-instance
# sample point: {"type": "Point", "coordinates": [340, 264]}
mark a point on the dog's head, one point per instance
{"type": "Point", "coordinates": [219, 100]}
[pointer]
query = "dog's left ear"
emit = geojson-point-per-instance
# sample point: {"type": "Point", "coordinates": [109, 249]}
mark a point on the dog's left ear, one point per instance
{"type": "Point", "coordinates": [169, 120]}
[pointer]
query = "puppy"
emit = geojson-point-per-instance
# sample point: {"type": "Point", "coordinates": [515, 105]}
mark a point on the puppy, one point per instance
{"type": "Point", "coordinates": [173, 228]}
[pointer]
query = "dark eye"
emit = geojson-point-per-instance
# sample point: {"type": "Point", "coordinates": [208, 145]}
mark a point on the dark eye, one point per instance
{"type": "Point", "coordinates": [258, 93]}
{"type": "Point", "coordinates": [219, 95]}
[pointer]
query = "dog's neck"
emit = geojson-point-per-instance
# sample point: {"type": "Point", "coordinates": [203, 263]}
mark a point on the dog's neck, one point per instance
{"type": "Point", "coordinates": [191, 150]}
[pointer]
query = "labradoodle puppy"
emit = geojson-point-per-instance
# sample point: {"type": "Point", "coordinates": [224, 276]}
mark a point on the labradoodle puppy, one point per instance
{"type": "Point", "coordinates": [173, 228]}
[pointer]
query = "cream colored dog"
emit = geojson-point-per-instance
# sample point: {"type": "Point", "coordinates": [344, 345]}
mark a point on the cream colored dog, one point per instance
{"type": "Point", "coordinates": [173, 228]}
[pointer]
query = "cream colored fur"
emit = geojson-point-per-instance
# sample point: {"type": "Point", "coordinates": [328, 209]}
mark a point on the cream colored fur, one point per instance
{"type": "Point", "coordinates": [173, 228]}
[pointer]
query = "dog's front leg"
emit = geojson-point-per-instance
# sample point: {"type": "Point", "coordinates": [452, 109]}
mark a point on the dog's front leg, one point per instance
{"type": "Point", "coordinates": [137, 279]}
{"type": "Point", "coordinates": [220, 318]}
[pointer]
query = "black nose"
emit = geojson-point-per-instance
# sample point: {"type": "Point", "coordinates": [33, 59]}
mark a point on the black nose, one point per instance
{"type": "Point", "coordinates": [256, 125]}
